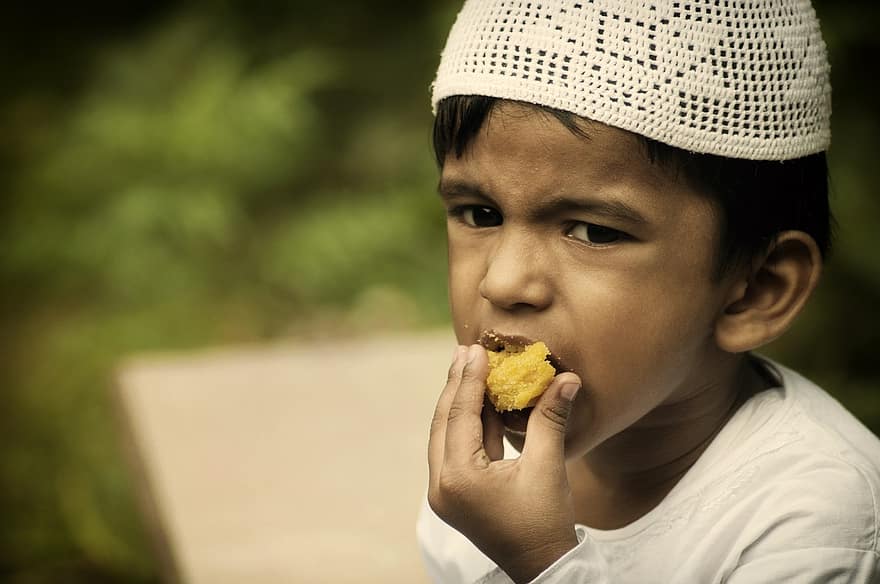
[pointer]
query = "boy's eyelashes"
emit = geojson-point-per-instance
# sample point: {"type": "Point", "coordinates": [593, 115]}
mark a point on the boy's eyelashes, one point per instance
{"type": "Point", "coordinates": [593, 234]}
{"type": "Point", "coordinates": [477, 215]}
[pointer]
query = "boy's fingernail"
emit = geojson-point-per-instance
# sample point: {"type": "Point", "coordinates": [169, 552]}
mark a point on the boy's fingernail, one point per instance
{"type": "Point", "coordinates": [472, 353]}
{"type": "Point", "coordinates": [569, 391]}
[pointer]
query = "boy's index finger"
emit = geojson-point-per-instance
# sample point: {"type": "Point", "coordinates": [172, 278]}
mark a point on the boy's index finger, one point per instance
{"type": "Point", "coordinates": [437, 437]}
{"type": "Point", "coordinates": [464, 428]}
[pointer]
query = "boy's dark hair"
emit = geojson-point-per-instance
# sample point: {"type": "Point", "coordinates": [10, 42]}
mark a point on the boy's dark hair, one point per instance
{"type": "Point", "coordinates": [757, 199]}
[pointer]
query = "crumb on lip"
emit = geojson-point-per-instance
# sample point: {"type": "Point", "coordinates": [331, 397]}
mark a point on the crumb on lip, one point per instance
{"type": "Point", "coordinates": [493, 341]}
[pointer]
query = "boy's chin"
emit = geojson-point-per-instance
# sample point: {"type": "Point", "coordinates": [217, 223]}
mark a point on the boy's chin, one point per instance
{"type": "Point", "coordinates": [516, 421]}
{"type": "Point", "coordinates": [516, 439]}
{"type": "Point", "coordinates": [515, 431]}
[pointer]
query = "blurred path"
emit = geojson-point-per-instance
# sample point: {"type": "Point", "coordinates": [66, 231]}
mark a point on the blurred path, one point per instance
{"type": "Point", "coordinates": [287, 463]}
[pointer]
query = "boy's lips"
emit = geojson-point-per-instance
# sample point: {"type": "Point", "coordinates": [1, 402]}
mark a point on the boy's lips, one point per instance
{"type": "Point", "coordinates": [492, 340]}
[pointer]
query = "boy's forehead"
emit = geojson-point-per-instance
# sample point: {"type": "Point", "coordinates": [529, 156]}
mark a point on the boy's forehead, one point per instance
{"type": "Point", "coordinates": [524, 141]}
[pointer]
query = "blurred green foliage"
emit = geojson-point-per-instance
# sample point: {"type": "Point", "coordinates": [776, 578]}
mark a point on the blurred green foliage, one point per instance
{"type": "Point", "coordinates": [224, 172]}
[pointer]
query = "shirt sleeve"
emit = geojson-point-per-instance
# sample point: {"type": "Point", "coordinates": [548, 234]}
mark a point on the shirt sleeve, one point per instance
{"type": "Point", "coordinates": [581, 565]}
{"type": "Point", "coordinates": [811, 566]}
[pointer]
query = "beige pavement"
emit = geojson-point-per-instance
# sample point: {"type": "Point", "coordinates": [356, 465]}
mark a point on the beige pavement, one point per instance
{"type": "Point", "coordinates": [287, 463]}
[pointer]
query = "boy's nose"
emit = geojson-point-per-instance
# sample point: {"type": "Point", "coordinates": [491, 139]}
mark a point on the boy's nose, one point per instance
{"type": "Point", "coordinates": [516, 276]}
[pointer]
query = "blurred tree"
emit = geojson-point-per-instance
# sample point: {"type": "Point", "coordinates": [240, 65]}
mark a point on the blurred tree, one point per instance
{"type": "Point", "coordinates": [165, 165]}
{"type": "Point", "coordinates": [833, 342]}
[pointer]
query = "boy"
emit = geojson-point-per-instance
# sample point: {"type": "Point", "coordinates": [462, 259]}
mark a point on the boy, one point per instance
{"type": "Point", "coordinates": [642, 186]}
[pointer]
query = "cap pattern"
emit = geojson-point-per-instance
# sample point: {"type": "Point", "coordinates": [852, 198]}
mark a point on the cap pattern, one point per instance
{"type": "Point", "coordinates": [737, 78]}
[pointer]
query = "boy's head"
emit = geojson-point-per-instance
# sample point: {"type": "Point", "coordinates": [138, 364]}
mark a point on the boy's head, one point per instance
{"type": "Point", "coordinates": [714, 90]}
{"type": "Point", "coordinates": [640, 184]}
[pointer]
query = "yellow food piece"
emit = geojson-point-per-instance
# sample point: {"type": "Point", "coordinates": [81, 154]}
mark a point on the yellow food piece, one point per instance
{"type": "Point", "coordinates": [518, 376]}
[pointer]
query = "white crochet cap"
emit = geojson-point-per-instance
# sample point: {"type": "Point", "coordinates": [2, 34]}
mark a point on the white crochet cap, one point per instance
{"type": "Point", "coordinates": [736, 78]}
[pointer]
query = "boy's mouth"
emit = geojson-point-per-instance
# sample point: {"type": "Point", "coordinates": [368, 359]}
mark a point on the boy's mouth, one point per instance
{"type": "Point", "coordinates": [494, 341]}
{"type": "Point", "coordinates": [515, 421]}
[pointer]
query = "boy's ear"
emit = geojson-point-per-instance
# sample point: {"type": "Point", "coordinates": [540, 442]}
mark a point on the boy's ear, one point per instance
{"type": "Point", "coordinates": [763, 301]}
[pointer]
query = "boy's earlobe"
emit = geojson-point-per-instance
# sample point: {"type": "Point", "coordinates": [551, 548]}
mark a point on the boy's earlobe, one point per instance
{"type": "Point", "coordinates": [764, 302]}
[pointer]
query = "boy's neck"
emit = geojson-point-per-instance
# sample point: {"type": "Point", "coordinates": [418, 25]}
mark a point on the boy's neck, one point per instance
{"type": "Point", "coordinates": [629, 474]}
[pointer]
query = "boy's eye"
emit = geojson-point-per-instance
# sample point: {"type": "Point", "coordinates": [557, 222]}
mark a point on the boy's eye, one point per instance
{"type": "Point", "coordinates": [480, 216]}
{"type": "Point", "coordinates": [593, 234]}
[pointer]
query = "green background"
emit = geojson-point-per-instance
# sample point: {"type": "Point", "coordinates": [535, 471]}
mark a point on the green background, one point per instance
{"type": "Point", "coordinates": [185, 175]}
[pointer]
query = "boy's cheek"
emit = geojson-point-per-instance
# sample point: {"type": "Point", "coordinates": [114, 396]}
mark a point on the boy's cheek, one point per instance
{"type": "Point", "coordinates": [582, 432]}
{"type": "Point", "coordinates": [467, 328]}
{"type": "Point", "coordinates": [464, 296]}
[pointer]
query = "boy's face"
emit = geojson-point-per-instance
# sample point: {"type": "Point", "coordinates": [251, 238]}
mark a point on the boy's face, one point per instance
{"type": "Point", "coordinates": [588, 246]}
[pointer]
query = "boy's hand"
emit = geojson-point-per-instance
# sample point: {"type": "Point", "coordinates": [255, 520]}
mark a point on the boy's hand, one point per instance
{"type": "Point", "coordinates": [518, 512]}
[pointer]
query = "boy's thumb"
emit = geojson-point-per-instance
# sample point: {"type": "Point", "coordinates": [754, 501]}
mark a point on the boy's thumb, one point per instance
{"type": "Point", "coordinates": [545, 433]}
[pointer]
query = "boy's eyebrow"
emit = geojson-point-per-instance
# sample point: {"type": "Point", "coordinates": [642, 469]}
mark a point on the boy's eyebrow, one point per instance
{"type": "Point", "coordinates": [450, 188]}
{"type": "Point", "coordinates": [612, 207]}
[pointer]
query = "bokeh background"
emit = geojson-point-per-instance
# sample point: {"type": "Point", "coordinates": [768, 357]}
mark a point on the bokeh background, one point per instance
{"type": "Point", "coordinates": [175, 176]}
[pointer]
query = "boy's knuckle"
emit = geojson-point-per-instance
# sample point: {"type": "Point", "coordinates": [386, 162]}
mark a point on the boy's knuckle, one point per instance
{"type": "Point", "coordinates": [451, 485]}
{"type": "Point", "coordinates": [457, 412]}
{"type": "Point", "coordinates": [436, 421]}
{"type": "Point", "coordinates": [556, 414]}
{"type": "Point", "coordinates": [469, 373]}
{"type": "Point", "coordinates": [435, 501]}
{"type": "Point", "coordinates": [452, 374]}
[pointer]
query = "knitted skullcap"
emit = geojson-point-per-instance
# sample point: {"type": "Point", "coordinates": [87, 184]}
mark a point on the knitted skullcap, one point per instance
{"type": "Point", "coordinates": [736, 78]}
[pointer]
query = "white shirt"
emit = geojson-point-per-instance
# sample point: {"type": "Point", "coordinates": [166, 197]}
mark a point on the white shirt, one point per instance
{"type": "Point", "coordinates": [788, 491]}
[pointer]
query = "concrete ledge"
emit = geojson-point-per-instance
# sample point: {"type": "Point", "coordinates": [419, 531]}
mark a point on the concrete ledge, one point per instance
{"type": "Point", "coordinates": [288, 463]}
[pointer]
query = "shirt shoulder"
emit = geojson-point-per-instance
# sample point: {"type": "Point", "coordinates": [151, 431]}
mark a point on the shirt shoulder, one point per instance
{"type": "Point", "coordinates": [815, 472]}
{"type": "Point", "coordinates": [809, 502]}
